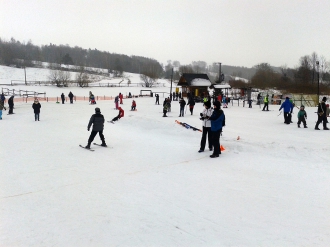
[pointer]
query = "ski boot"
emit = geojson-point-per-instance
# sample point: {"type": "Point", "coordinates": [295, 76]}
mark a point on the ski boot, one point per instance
{"type": "Point", "coordinates": [103, 144]}
{"type": "Point", "coordinates": [88, 146]}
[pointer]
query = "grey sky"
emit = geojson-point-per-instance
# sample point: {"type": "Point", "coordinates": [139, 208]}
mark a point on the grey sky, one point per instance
{"type": "Point", "coordinates": [234, 32]}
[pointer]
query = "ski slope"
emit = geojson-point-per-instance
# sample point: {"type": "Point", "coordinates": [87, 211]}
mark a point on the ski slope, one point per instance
{"type": "Point", "coordinates": [151, 187]}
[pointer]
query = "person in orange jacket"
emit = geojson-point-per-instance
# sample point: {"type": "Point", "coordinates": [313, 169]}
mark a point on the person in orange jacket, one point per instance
{"type": "Point", "coordinates": [119, 116]}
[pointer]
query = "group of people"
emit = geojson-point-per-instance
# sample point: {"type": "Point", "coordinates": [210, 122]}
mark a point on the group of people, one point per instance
{"type": "Point", "coordinates": [10, 104]}
{"type": "Point", "coordinates": [322, 112]}
{"type": "Point", "coordinates": [70, 95]}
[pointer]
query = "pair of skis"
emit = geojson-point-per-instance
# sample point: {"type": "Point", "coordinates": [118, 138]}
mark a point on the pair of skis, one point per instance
{"type": "Point", "coordinates": [187, 126]}
{"type": "Point", "coordinates": [91, 149]}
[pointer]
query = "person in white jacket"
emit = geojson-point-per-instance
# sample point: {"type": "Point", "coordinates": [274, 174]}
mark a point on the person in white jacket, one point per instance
{"type": "Point", "coordinates": [207, 112]}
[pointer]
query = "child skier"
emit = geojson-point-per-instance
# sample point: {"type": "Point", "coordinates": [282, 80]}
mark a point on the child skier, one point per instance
{"type": "Point", "coordinates": [133, 105]}
{"type": "Point", "coordinates": [119, 116]}
{"type": "Point", "coordinates": [302, 115]}
{"type": "Point", "coordinates": [97, 120]}
{"type": "Point", "coordinates": [36, 108]}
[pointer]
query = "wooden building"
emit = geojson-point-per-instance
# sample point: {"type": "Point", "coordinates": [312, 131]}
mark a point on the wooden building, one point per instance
{"type": "Point", "coordinates": [195, 84]}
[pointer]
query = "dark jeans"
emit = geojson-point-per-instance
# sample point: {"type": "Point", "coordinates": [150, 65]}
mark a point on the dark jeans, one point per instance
{"type": "Point", "coordinates": [63, 101]}
{"type": "Point", "coordinates": [36, 116]}
{"type": "Point", "coordinates": [287, 118]}
{"type": "Point", "coordinates": [320, 119]}
{"type": "Point", "coordinates": [206, 133]}
{"type": "Point", "coordinates": [71, 100]}
{"type": "Point", "coordinates": [265, 106]}
{"type": "Point", "coordinates": [302, 119]}
{"type": "Point", "coordinates": [181, 111]}
{"type": "Point", "coordinates": [93, 134]}
{"type": "Point", "coordinates": [215, 136]}
{"type": "Point", "coordinates": [191, 110]}
{"type": "Point", "coordinates": [11, 108]}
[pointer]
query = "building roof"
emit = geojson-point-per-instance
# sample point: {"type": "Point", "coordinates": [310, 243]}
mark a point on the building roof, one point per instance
{"type": "Point", "coordinates": [197, 80]}
{"type": "Point", "coordinates": [221, 86]}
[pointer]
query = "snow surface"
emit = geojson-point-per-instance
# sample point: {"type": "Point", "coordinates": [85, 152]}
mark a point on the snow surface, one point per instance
{"type": "Point", "coordinates": [151, 187]}
{"type": "Point", "coordinates": [200, 82]}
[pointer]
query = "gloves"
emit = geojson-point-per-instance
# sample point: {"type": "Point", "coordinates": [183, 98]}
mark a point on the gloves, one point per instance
{"type": "Point", "coordinates": [201, 114]}
{"type": "Point", "coordinates": [202, 118]}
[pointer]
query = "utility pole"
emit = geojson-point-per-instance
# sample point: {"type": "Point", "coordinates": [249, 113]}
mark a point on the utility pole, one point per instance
{"type": "Point", "coordinates": [25, 75]}
{"type": "Point", "coordinates": [318, 81]}
{"type": "Point", "coordinates": [219, 72]}
{"type": "Point", "coordinates": [171, 85]}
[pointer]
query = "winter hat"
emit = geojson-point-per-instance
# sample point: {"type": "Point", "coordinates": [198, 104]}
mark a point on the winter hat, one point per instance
{"type": "Point", "coordinates": [217, 104]}
{"type": "Point", "coordinates": [36, 101]}
{"type": "Point", "coordinates": [302, 106]}
{"type": "Point", "coordinates": [287, 98]}
{"type": "Point", "coordinates": [207, 104]}
{"type": "Point", "coordinates": [324, 99]}
{"type": "Point", "coordinates": [97, 110]}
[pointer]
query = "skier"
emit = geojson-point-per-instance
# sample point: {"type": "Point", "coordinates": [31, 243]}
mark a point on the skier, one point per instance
{"type": "Point", "coordinates": [121, 98]}
{"type": "Point", "coordinates": [116, 102]}
{"type": "Point", "coordinates": [92, 98]}
{"type": "Point", "coordinates": [266, 101]}
{"type": "Point", "coordinates": [36, 108]}
{"type": "Point", "coordinates": [301, 116]}
{"type": "Point", "coordinates": [207, 112]}
{"type": "Point", "coordinates": [133, 105]}
{"type": "Point", "coordinates": [97, 120]}
{"type": "Point", "coordinates": [2, 106]}
{"type": "Point", "coordinates": [322, 114]}
{"type": "Point", "coordinates": [191, 104]}
{"type": "Point", "coordinates": [62, 98]}
{"type": "Point", "coordinates": [224, 102]}
{"type": "Point", "coordinates": [11, 104]}
{"type": "Point", "coordinates": [119, 116]}
{"type": "Point", "coordinates": [165, 107]}
{"type": "Point", "coordinates": [217, 119]}
{"type": "Point", "coordinates": [157, 99]}
{"type": "Point", "coordinates": [182, 103]}
{"type": "Point", "coordinates": [70, 95]}
{"type": "Point", "coordinates": [287, 108]}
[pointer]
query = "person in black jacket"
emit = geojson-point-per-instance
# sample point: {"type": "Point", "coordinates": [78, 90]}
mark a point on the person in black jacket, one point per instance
{"type": "Point", "coordinates": [191, 104]}
{"type": "Point", "coordinates": [71, 97]}
{"type": "Point", "coordinates": [97, 120]}
{"type": "Point", "coordinates": [36, 108]}
{"type": "Point", "coordinates": [322, 116]}
{"type": "Point", "coordinates": [63, 98]}
{"type": "Point", "coordinates": [11, 105]}
{"type": "Point", "coordinates": [182, 103]}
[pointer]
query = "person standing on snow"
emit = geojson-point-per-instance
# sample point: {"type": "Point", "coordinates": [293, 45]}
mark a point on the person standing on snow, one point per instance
{"type": "Point", "coordinates": [182, 103]}
{"type": "Point", "coordinates": [191, 104]}
{"type": "Point", "coordinates": [322, 114]}
{"type": "Point", "coordinates": [11, 105]}
{"type": "Point", "coordinates": [217, 119]}
{"type": "Point", "coordinates": [116, 102]}
{"type": "Point", "coordinates": [2, 98]}
{"type": "Point", "coordinates": [301, 116]}
{"type": "Point", "coordinates": [121, 98]}
{"type": "Point", "coordinates": [119, 116]}
{"type": "Point", "coordinates": [266, 101]}
{"type": "Point", "coordinates": [287, 108]}
{"type": "Point", "coordinates": [97, 120]}
{"type": "Point", "coordinates": [133, 105]}
{"type": "Point", "coordinates": [70, 95]}
{"type": "Point", "coordinates": [36, 108]}
{"type": "Point", "coordinates": [62, 98]}
{"type": "Point", "coordinates": [205, 115]}
{"type": "Point", "coordinates": [2, 106]}
{"type": "Point", "coordinates": [157, 99]}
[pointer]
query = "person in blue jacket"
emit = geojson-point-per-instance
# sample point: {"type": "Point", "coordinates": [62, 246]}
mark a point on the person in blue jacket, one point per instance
{"type": "Point", "coordinates": [287, 107]}
{"type": "Point", "coordinates": [217, 119]}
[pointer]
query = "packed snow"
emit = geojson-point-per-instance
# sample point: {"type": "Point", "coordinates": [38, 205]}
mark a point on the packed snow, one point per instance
{"type": "Point", "coordinates": [150, 186]}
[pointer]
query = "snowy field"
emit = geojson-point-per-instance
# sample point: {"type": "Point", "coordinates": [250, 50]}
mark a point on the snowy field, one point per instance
{"type": "Point", "coordinates": [151, 187]}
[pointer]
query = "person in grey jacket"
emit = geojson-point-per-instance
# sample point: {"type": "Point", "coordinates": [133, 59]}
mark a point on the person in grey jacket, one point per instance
{"type": "Point", "coordinates": [97, 120]}
{"type": "Point", "coordinates": [207, 112]}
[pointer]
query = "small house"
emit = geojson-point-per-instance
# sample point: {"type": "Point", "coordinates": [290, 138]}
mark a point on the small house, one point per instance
{"type": "Point", "coordinates": [195, 84]}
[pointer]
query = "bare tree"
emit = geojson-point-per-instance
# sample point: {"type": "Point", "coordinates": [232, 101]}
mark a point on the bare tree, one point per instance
{"type": "Point", "coordinates": [82, 77]}
{"type": "Point", "coordinates": [54, 77]}
{"type": "Point", "coordinates": [64, 77]}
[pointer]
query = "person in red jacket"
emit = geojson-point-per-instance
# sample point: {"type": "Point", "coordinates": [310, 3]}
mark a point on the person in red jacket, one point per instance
{"type": "Point", "coordinates": [133, 105]}
{"type": "Point", "coordinates": [121, 98]}
{"type": "Point", "coordinates": [119, 116]}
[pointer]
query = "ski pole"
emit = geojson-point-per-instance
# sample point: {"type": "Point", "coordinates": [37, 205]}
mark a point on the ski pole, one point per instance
{"type": "Point", "coordinates": [279, 113]}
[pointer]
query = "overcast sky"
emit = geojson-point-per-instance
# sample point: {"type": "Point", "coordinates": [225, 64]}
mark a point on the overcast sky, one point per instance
{"type": "Point", "coordinates": [233, 32]}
